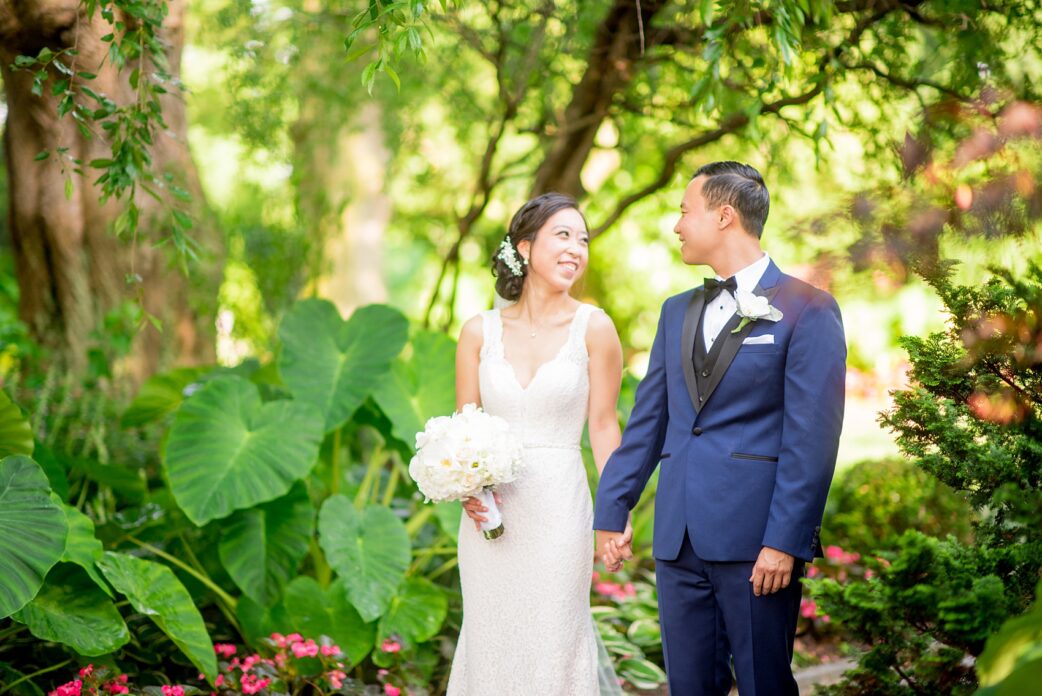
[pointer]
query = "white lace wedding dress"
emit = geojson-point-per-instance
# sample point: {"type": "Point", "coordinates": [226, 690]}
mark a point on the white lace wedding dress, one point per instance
{"type": "Point", "coordinates": [527, 628]}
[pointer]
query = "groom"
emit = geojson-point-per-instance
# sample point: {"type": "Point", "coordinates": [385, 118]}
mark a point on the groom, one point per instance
{"type": "Point", "coordinates": [742, 405]}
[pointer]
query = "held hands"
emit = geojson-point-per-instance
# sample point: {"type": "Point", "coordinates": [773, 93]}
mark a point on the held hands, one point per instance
{"type": "Point", "coordinates": [771, 572]}
{"type": "Point", "coordinates": [474, 508]}
{"type": "Point", "coordinates": [615, 547]}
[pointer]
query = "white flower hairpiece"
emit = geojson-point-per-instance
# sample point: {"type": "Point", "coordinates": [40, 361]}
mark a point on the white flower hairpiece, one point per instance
{"type": "Point", "coordinates": [508, 255]}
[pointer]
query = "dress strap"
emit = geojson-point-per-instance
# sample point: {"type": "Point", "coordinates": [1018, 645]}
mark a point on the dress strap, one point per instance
{"type": "Point", "coordinates": [492, 334]}
{"type": "Point", "coordinates": [577, 331]}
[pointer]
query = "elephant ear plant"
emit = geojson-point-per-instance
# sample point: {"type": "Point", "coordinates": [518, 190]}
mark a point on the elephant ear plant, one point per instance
{"type": "Point", "coordinates": [276, 502]}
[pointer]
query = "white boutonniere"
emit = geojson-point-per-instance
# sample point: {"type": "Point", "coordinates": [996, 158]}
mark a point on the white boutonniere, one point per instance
{"type": "Point", "coordinates": [752, 307]}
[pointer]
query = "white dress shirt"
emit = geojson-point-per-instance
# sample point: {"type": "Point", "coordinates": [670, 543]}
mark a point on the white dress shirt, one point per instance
{"type": "Point", "coordinates": [723, 307]}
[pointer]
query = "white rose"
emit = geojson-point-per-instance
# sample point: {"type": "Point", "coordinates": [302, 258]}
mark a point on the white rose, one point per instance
{"type": "Point", "coordinates": [755, 306]}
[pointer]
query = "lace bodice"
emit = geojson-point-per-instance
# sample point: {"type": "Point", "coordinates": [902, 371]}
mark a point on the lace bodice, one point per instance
{"type": "Point", "coordinates": [552, 409]}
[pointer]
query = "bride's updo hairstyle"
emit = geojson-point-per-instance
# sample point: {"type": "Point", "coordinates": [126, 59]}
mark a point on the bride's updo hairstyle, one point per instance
{"type": "Point", "coordinates": [509, 268]}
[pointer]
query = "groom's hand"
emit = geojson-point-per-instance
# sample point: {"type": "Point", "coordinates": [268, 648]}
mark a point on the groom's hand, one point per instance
{"type": "Point", "coordinates": [771, 572]}
{"type": "Point", "coordinates": [614, 548]}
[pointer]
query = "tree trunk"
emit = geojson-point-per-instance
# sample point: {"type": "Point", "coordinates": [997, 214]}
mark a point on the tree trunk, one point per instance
{"type": "Point", "coordinates": [610, 68]}
{"type": "Point", "coordinates": [71, 268]}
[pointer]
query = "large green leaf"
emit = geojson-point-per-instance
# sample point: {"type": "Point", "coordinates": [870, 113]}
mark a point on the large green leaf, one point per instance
{"type": "Point", "coordinates": [416, 612]}
{"type": "Point", "coordinates": [32, 531]}
{"type": "Point", "coordinates": [82, 547]}
{"type": "Point", "coordinates": [228, 451]}
{"type": "Point", "coordinates": [369, 551]}
{"type": "Point", "coordinates": [155, 591]}
{"type": "Point", "coordinates": [70, 609]}
{"type": "Point", "coordinates": [16, 436]}
{"type": "Point", "coordinates": [160, 395]}
{"type": "Point", "coordinates": [335, 364]}
{"type": "Point", "coordinates": [257, 621]}
{"type": "Point", "coordinates": [449, 514]}
{"type": "Point", "coordinates": [1012, 659]}
{"type": "Point", "coordinates": [312, 612]}
{"type": "Point", "coordinates": [642, 673]}
{"type": "Point", "coordinates": [420, 387]}
{"type": "Point", "coordinates": [261, 547]}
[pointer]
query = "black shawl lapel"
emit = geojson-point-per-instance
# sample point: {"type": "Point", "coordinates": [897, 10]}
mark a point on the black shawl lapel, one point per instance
{"type": "Point", "coordinates": [687, 346]}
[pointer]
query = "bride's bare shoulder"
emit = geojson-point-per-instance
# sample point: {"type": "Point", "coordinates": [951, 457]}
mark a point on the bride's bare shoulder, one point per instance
{"type": "Point", "coordinates": [471, 336]}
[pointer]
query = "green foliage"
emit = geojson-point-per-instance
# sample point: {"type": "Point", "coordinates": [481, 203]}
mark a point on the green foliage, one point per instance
{"type": "Point", "coordinates": [872, 503]}
{"type": "Point", "coordinates": [971, 421]}
{"type": "Point", "coordinates": [32, 531]}
{"type": "Point", "coordinates": [625, 611]}
{"type": "Point", "coordinates": [1012, 661]}
{"type": "Point", "coordinates": [254, 520]}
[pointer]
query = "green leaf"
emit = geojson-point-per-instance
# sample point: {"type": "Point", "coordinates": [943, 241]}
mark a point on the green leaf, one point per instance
{"type": "Point", "coordinates": [42, 155]}
{"type": "Point", "coordinates": [370, 551]}
{"type": "Point", "coordinates": [160, 395]}
{"type": "Point", "coordinates": [449, 515]}
{"type": "Point", "coordinates": [1005, 651]}
{"type": "Point", "coordinates": [16, 435]}
{"type": "Point", "coordinates": [335, 364]}
{"type": "Point", "coordinates": [32, 532]}
{"type": "Point", "coordinates": [707, 8]}
{"type": "Point", "coordinates": [642, 673]}
{"type": "Point", "coordinates": [68, 188]}
{"type": "Point", "coordinates": [645, 632]}
{"type": "Point", "coordinates": [155, 591]}
{"type": "Point", "coordinates": [394, 77]}
{"type": "Point", "coordinates": [420, 387]}
{"type": "Point", "coordinates": [82, 547]}
{"type": "Point", "coordinates": [70, 609]}
{"type": "Point", "coordinates": [227, 451]}
{"type": "Point", "coordinates": [416, 612]}
{"type": "Point", "coordinates": [261, 547]}
{"type": "Point", "coordinates": [312, 612]}
{"type": "Point", "coordinates": [127, 482]}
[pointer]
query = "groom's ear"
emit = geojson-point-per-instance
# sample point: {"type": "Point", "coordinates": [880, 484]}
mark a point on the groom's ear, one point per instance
{"type": "Point", "coordinates": [726, 215]}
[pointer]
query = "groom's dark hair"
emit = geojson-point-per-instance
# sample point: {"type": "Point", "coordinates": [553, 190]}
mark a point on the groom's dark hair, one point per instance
{"type": "Point", "coordinates": [739, 186]}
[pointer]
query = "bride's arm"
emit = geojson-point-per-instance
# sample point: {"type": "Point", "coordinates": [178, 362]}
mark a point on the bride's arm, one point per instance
{"type": "Point", "coordinates": [605, 350]}
{"type": "Point", "coordinates": [468, 352]}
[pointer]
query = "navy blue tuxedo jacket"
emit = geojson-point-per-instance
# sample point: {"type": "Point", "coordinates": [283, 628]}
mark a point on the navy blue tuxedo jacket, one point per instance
{"type": "Point", "coordinates": [750, 464]}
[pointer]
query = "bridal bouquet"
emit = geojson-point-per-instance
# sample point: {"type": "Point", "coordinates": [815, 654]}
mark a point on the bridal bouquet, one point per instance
{"type": "Point", "coordinates": [463, 455]}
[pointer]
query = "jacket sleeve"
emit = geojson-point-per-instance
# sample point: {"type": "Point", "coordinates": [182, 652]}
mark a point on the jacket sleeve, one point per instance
{"type": "Point", "coordinates": [815, 377]}
{"type": "Point", "coordinates": [628, 469]}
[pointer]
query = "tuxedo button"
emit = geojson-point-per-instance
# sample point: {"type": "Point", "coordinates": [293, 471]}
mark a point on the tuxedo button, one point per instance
{"type": "Point", "coordinates": [705, 373]}
{"type": "Point", "coordinates": [696, 431]}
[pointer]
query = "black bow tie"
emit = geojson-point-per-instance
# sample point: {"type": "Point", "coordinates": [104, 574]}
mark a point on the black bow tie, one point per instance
{"type": "Point", "coordinates": [714, 287]}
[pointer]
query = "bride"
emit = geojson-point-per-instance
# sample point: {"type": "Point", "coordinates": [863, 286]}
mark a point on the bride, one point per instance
{"type": "Point", "coordinates": [547, 364]}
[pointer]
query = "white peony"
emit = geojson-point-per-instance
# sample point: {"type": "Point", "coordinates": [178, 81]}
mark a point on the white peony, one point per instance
{"type": "Point", "coordinates": [753, 307]}
{"type": "Point", "coordinates": [459, 455]}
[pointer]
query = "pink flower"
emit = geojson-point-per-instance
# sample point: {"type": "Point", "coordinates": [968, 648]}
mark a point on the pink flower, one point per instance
{"type": "Point", "coordinates": [596, 576]}
{"type": "Point", "coordinates": [391, 690]}
{"type": "Point", "coordinates": [251, 684]}
{"type": "Point", "coordinates": [294, 637]}
{"type": "Point", "coordinates": [608, 589]}
{"type": "Point", "coordinates": [308, 648]}
{"type": "Point", "coordinates": [833, 553]}
{"type": "Point", "coordinates": [250, 661]}
{"type": "Point", "coordinates": [330, 650]}
{"type": "Point", "coordinates": [219, 681]}
{"type": "Point", "coordinates": [115, 688]}
{"type": "Point", "coordinates": [869, 574]}
{"type": "Point", "coordinates": [224, 649]}
{"type": "Point", "coordinates": [629, 590]}
{"type": "Point", "coordinates": [70, 689]}
{"type": "Point", "coordinates": [336, 678]}
{"type": "Point", "coordinates": [826, 618]}
{"type": "Point", "coordinates": [813, 571]}
{"type": "Point", "coordinates": [173, 690]}
{"type": "Point", "coordinates": [808, 608]}
{"type": "Point", "coordinates": [382, 673]}
{"type": "Point", "coordinates": [279, 640]}
{"type": "Point", "coordinates": [86, 671]}
{"type": "Point", "coordinates": [390, 646]}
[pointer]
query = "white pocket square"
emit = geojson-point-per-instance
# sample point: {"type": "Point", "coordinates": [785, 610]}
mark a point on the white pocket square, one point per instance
{"type": "Point", "coordinates": [765, 340]}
